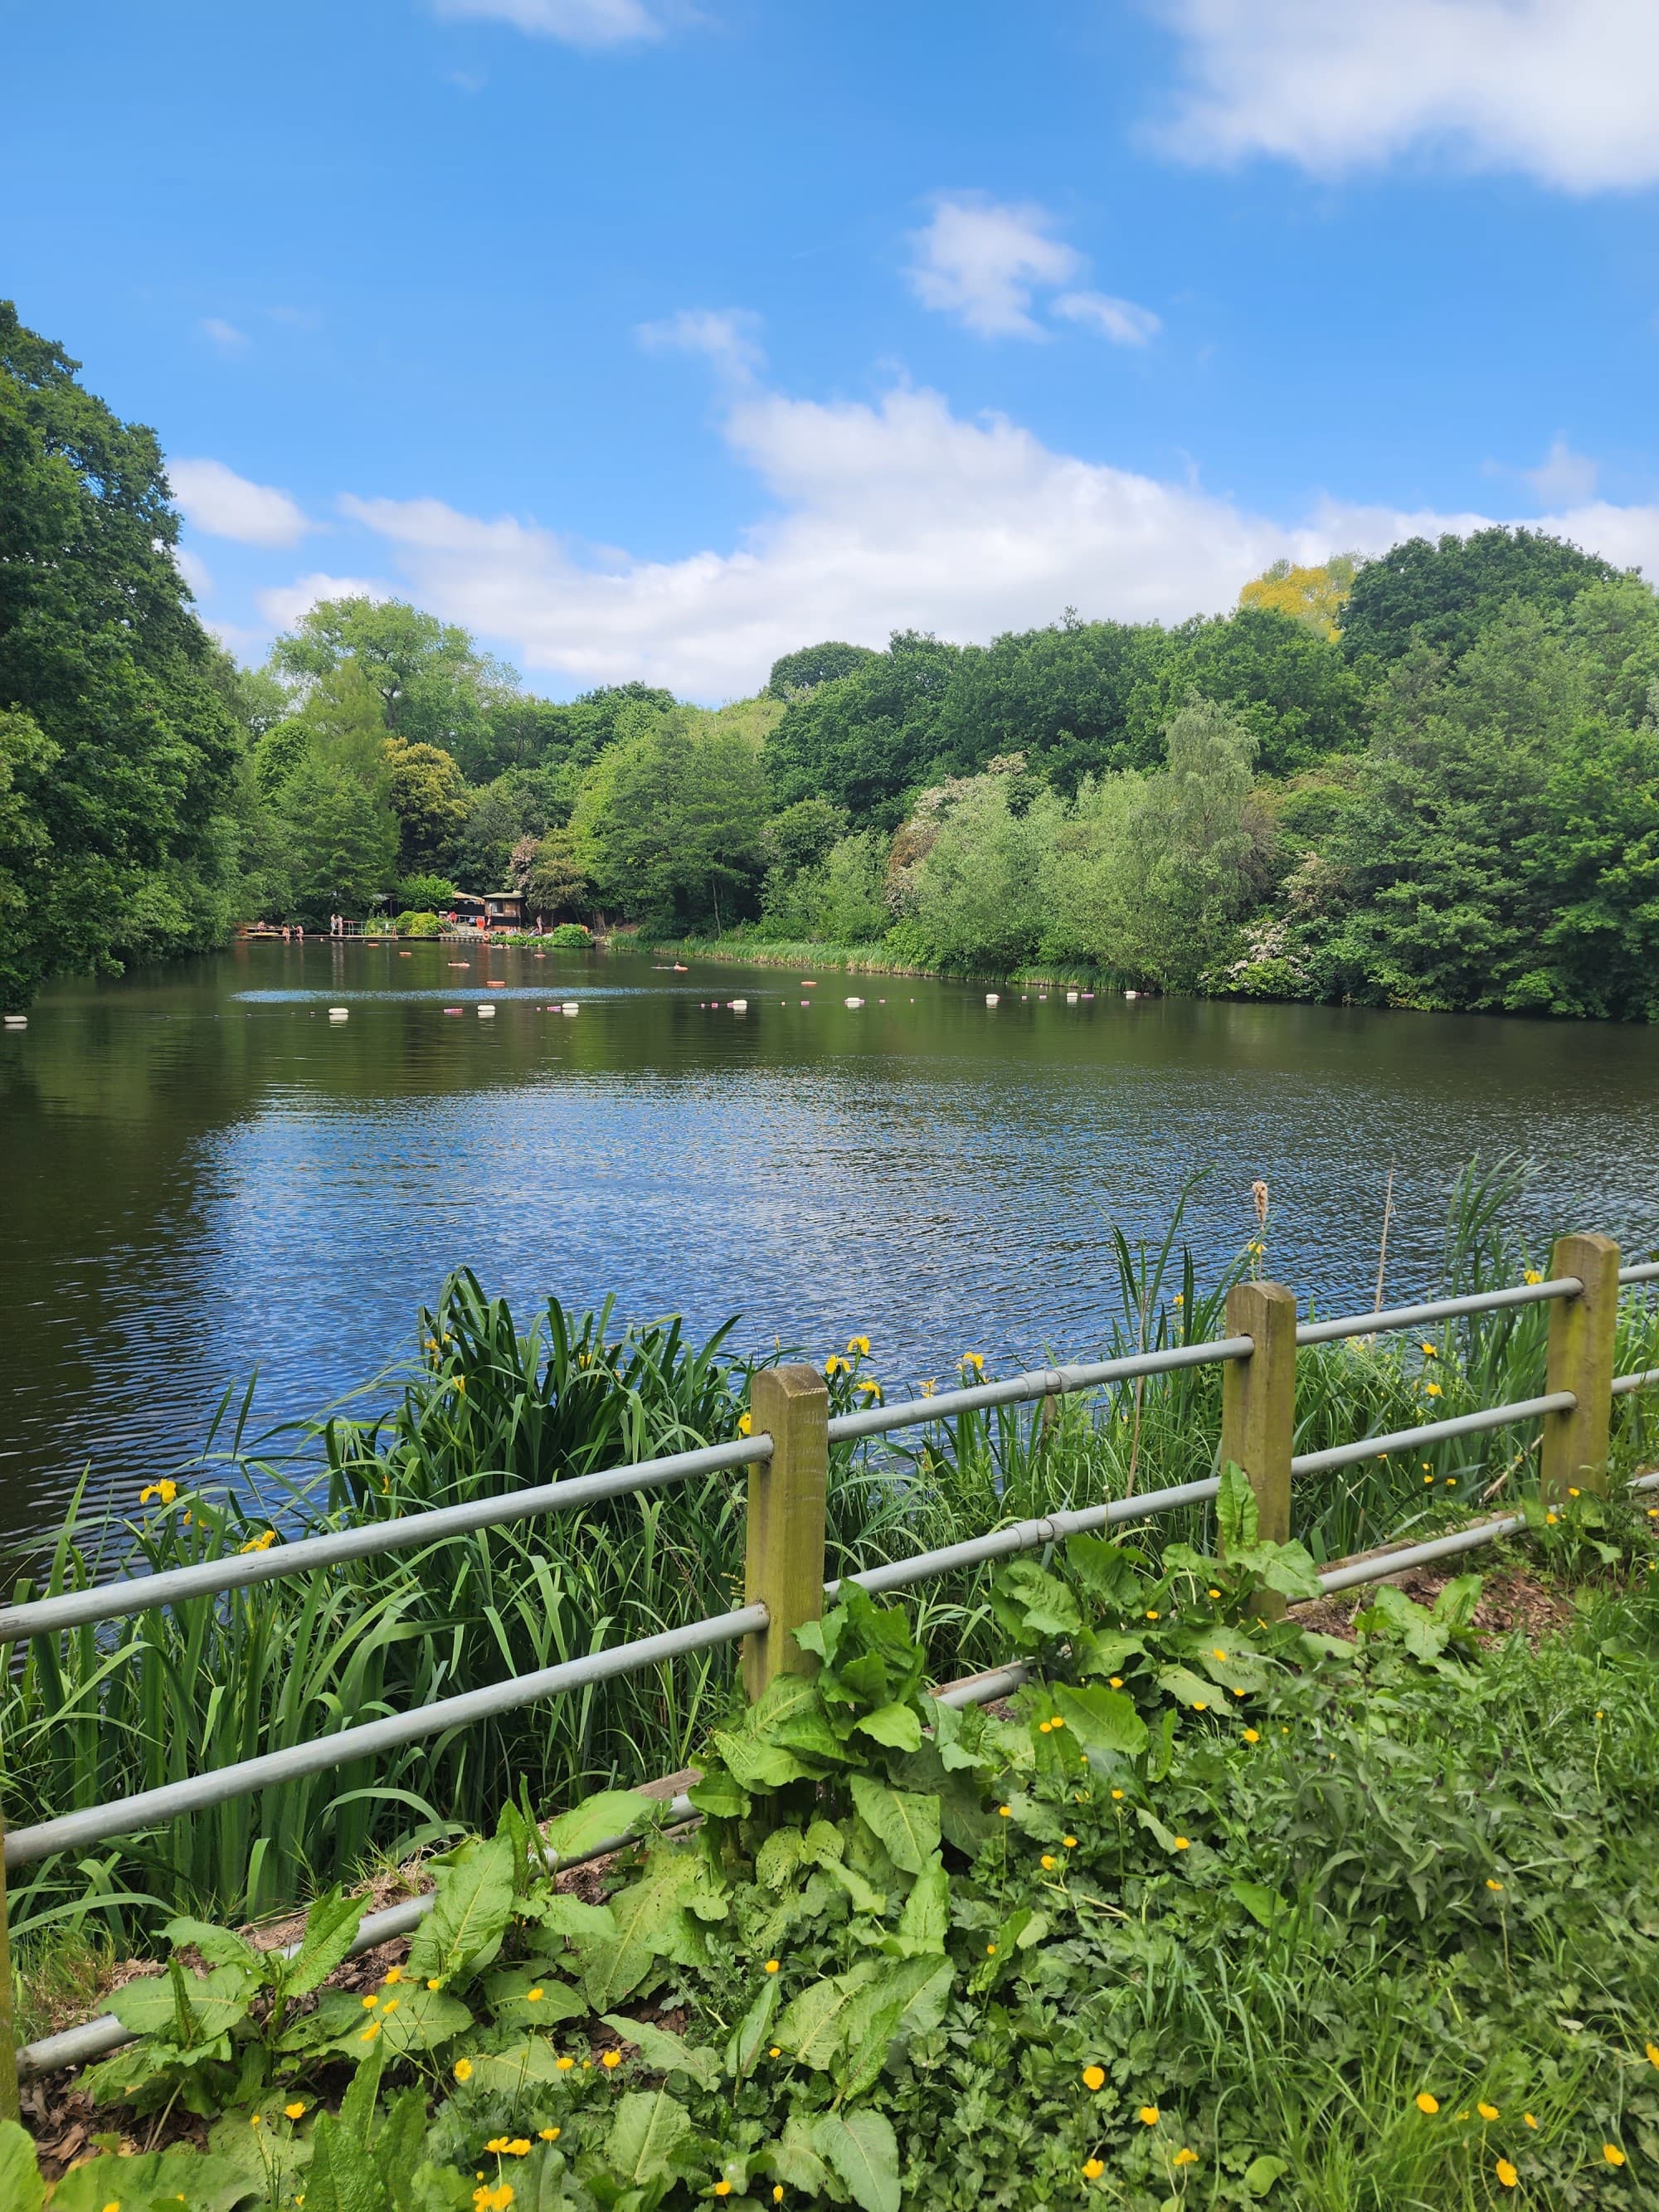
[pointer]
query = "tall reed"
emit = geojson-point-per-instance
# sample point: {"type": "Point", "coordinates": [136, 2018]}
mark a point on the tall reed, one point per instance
{"type": "Point", "coordinates": [485, 1409]}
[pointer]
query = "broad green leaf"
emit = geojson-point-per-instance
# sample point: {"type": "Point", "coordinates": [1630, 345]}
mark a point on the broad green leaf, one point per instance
{"type": "Point", "coordinates": [879, 2017]}
{"type": "Point", "coordinates": [779, 1857]}
{"type": "Point", "coordinates": [1188, 1689]}
{"type": "Point", "coordinates": [645, 1917]}
{"type": "Point", "coordinates": [927, 1914]}
{"type": "Point", "coordinates": [220, 1947]}
{"type": "Point", "coordinates": [1047, 1607]}
{"type": "Point", "coordinates": [1237, 1517]}
{"type": "Point", "coordinates": [563, 1915]}
{"type": "Point", "coordinates": [667, 2053]}
{"type": "Point", "coordinates": [1287, 1568]}
{"type": "Point", "coordinates": [795, 2159]}
{"type": "Point", "coordinates": [863, 1896]}
{"type": "Point", "coordinates": [645, 2132]}
{"type": "Point", "coordinates": [791, 1711]}
{"type": "Point", "coordinates": [331, 1928]}
{"type": "Point", "coordinates": [1261, 2174]}
{"type": "Point", "coordinates": [899, 1727]}
{"type": "Point", "coordinates": [152, 2180]}
{"type": "Point", "coordinates": [1110, 1573]}
{"type": "Point", "coordinates": [1106, 1650]}
{"type": "Point", "coordinates": [754, 2031]}
{"type": "Point", "coordinates": [1454, 1608]}
{"type": "Point", "coordinates": [1101, 1719]}
{"type": "Point", "coordinates": [465, 1928]}
{"type": "Point", "coordinates": [217, 2001]}
{"type": "Point", "coordinates": [528, 1996]}
{"type": "Point", "coordinates": [22, 2189]}
{"type": "Point", "coordinates": [409, 2017]}
{"type": "Point", "coordinates": [813, 2024]}
{"type": "Point", "coordinates": [720, 1796]}
{"type": "Point", "coordinates": [344, 2174]}
{"type": "Point", "coordinates": [907, 1825]}
{"type": "Point", "coordinates": [597, 1820]}
{"type": "Point", "coordinates": [531, 2064]}
{"type": "Point", "coordinates": [861, 2149]}
{"type": "Point", "coordinates": [1261, 1903]}
{"type": "Point", "coordinates": [756, 1765]}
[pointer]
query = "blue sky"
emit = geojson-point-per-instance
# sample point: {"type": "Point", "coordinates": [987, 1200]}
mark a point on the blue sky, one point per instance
{"type": "Point", "coordinates": [655, 339]}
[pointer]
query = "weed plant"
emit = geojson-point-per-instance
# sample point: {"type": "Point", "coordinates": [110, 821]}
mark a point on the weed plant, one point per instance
{"type": "Point", "coordinates": [485, 1409]}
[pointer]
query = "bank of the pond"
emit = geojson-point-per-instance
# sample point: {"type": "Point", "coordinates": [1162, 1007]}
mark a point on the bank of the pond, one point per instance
{"type": "Point", "coordinates": [873, 959]}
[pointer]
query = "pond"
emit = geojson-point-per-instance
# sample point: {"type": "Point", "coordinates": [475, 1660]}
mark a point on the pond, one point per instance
{"type": "Point", "coordinates": [208, 1176]}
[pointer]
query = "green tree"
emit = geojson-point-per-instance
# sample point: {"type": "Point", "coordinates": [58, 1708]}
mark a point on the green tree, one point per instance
{"type": "Point", "coordinates": [435, 686]}
{"type": "Point", "coordinates": [1444, 595]}
{"type": "Point", "coordinates": [100, 651]}
{"type": "Point", "coordinates": [865, 740]}
{"type": "Point", "coordinates": [804, 670]}
{"type": "Point", "coordinates": [429, 797]}
{"type": "Point", "coordinates": [337, 807]}
{"type": "Point", "coordinates": [668, 823]}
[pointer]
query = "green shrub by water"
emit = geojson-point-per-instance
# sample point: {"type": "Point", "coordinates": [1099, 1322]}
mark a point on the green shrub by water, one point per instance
{"type": "Point", "coordinates": [486, 1407]}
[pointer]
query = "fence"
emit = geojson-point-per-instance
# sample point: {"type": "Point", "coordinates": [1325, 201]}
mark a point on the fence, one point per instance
{"type": "Point", "coordinates": [787, 1456]}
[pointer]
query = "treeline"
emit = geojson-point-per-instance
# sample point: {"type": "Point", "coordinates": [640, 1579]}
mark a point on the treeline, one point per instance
{"type": "Point", "coordinates": [1429, 780]}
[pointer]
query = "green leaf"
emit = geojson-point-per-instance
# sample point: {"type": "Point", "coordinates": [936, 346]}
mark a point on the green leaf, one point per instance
{"type": "Point", "coordinates": [795, 2159]}
{"type": "Point", "coordinates": [22, 2189]}
{"type": "Point", "coordinates": [597, 1820]}
{"type": "Point", "coordinates": [220, 1947]}
{"type": "Point", "coordinates": [1046, 1606]}
{"type": "Point", "coordinates": [908, 1825]}
{"type": "Point", "coordinates": [779, 1857]}
{"type": "Point", "coordinates": [791, 1711]}
{"type": "Point", "coordinates": [667, 2053]}
{"type": "Point", "coordinates": [646, 1916]}
{"type": "Point", "coordinates": [1187, 1688]}
{"type": "Point", "coordinates": [218, 2001]}
{"type": "Point", "coordinates": [899, 1727]}
{"type": "Point", "coordinates": [412, 2018]}
{"type": "Point", "coordinates": [511, 1998]}
{"type": "Point", "coordinates": [562, 1914]}
{"type": "Point", "coordinates": [1101, 1719]}
{"type": "Point", "coordinates": [814, 2024]}
{"type": "Point", "coordinates": [1237, 1518]}
{"type": "Point", "coordinates": [754, 2030]}
{"type": "Point", "coordinates": [465, 1928]}
{"type": "Point", "coordinates": [530, 2064]}
{"type": "Point", "coordinates": [331, 1928]}
{"type": "Point", "coordinates": [1261, 1903]}
{"type": "Point", "coordinates": [758, 1766]}
{"type": "Point", "coordinates": [1108, 1572]}
{"type": "Point", "coordinates": [1106, 1651]}
{"type": "Point", "coordinates": [863, 1896]}
{"type": "Point", "coordinates": [927, 1914]}
{"type": "Point", "coordinates": [645, 2132]}
{"type": "Point", "coordinates": [718, 1796]}
{"type": "Point", "coordinates": [153, 2180]}
{"type": "Point", "coordinates": [1455, 1605]}
{"type": "Point", "coordinates": [344, 2175]}
{"type": "Point", "coordinates": [1261, 2174]}
{"type": "Point", "coordinates": [861, 2149]}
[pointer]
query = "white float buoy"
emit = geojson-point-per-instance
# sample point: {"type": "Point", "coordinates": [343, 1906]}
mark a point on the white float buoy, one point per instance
{"type": "Point", "coordinates": [1132, 994]}
{"type": "Point", "coordinates": [486, 1013]}
{"type": "Point", "coordinates": [852, 1002]}
{"type": "Point", "coordinates": [739, 1006]}
{"type": "Point", "coordinates": [993, 998]}
{"type": "Point", "coordinates": [18, 1021]}
{"type": "Point", "coordinates": [1071, 997]}
{"type": "Point", "coordinates": [338, 1014]}
{"type": "Point", "coordinates": [570, 1006]}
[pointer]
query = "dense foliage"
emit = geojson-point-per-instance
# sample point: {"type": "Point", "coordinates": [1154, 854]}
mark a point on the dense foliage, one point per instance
{"type": "Point", "coordinates": [117, 744]}
{"type": "Point", "coordinates": [1220, 1911]}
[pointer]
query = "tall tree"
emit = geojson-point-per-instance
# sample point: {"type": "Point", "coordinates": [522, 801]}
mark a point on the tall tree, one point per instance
{"type": "Point", "coordinates": [430, 798]}
{"type": "Point", "coordinates": [122, 799]}
{"type": "Point", "coordinates": [1444, 595]}
{"type": "Point", "coordinates": [337, 807]}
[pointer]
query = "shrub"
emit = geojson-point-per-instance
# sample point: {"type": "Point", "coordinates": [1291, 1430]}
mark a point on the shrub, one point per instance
{"type": "Point", "coordinates": [417, 925]}
{"type": "Point", "coordinates": [570, 934]}
{"type": "Point", "coordinates": [427, 894]}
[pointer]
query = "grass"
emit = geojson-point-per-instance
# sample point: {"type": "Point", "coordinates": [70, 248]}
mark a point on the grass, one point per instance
{"type": "Point", "coordinates": [486, 1407]}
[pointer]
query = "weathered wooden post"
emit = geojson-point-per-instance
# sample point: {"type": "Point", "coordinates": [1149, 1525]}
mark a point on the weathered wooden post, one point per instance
{"type": "Point", "coordinates": [1581, 1359]}
{"type": "Point", "coordinates": [784, 1566]}
{"type": "Point", "coordinates": [1258, 1399]}
{"type": "Point", "coordinates": [9, 2108]}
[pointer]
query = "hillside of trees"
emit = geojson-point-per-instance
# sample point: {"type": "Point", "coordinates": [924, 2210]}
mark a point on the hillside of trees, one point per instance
{"type": "Point", "coordinates": [1429, 780]}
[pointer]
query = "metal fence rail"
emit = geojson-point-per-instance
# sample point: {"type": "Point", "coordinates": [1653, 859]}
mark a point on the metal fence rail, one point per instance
{"type": "Point", "coordinates": [787, 1459]}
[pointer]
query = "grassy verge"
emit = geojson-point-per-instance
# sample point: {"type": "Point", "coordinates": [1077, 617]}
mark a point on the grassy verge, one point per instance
{"type": "Point", "coordinates": [486, 1407]}
{"type": "Point", "coordinates": [1220, 1913]}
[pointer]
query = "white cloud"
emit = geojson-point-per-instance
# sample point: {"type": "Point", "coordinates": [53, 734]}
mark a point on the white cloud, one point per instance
{"type": "Point", "coordinates": [890, 514]}
{"type": "Point", "coordinates": [284, 604]}
{"type": "Point", "coordinates": [575, 22]}
{"type": "Point", "coordinates": [728, 337]}
{"type": "Point", "coordinates": [980, 260]}
{"type": "Point", "coordinates": [194, 571]}
{"type": "Point", "coordinates": [1120, 320]}
{"type": "Point", "coordinates": [226, 336]}
{"type": "Point", "coordinates": [214, 498]}
{"type": "Point", "coordinates": [1561, 90]}
{"type": "Point", "coordinates": [1564, 478]}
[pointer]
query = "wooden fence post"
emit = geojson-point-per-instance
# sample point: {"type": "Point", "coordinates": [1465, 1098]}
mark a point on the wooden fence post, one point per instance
{"type": "Point", "coordinates": [9, 2106]}
{"type": "Point", "coordinates": [1581, 1359]}
{"type": "Point", "coordinates": [784, 1566]}
{"type": "Point", "coordinates": [1258, 1399]}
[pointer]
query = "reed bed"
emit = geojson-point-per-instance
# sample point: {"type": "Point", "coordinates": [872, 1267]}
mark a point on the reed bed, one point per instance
{"type": "Point", "coordinates": [486, 1406]}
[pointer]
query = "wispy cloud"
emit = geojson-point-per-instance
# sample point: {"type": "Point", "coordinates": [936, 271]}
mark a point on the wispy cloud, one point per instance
{"type": "Point", "coordinates": [224, 335]}
{"type": "Point", "coordinates": [284, 604]}
{"type": "Point", "coordinates": [214, 499]}
{"type": "Point", "coordinates": [985, 261]}
{"type": "Point", "coordinates": [1120, 320]}
{"type": "Point", "coordinates": [575, 23]}
{"type": "Point", "coordinates": [728, 337]}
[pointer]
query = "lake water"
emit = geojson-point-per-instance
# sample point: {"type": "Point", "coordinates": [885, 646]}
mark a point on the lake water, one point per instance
{"type": "Point", "coordinates": [204, 1175]}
